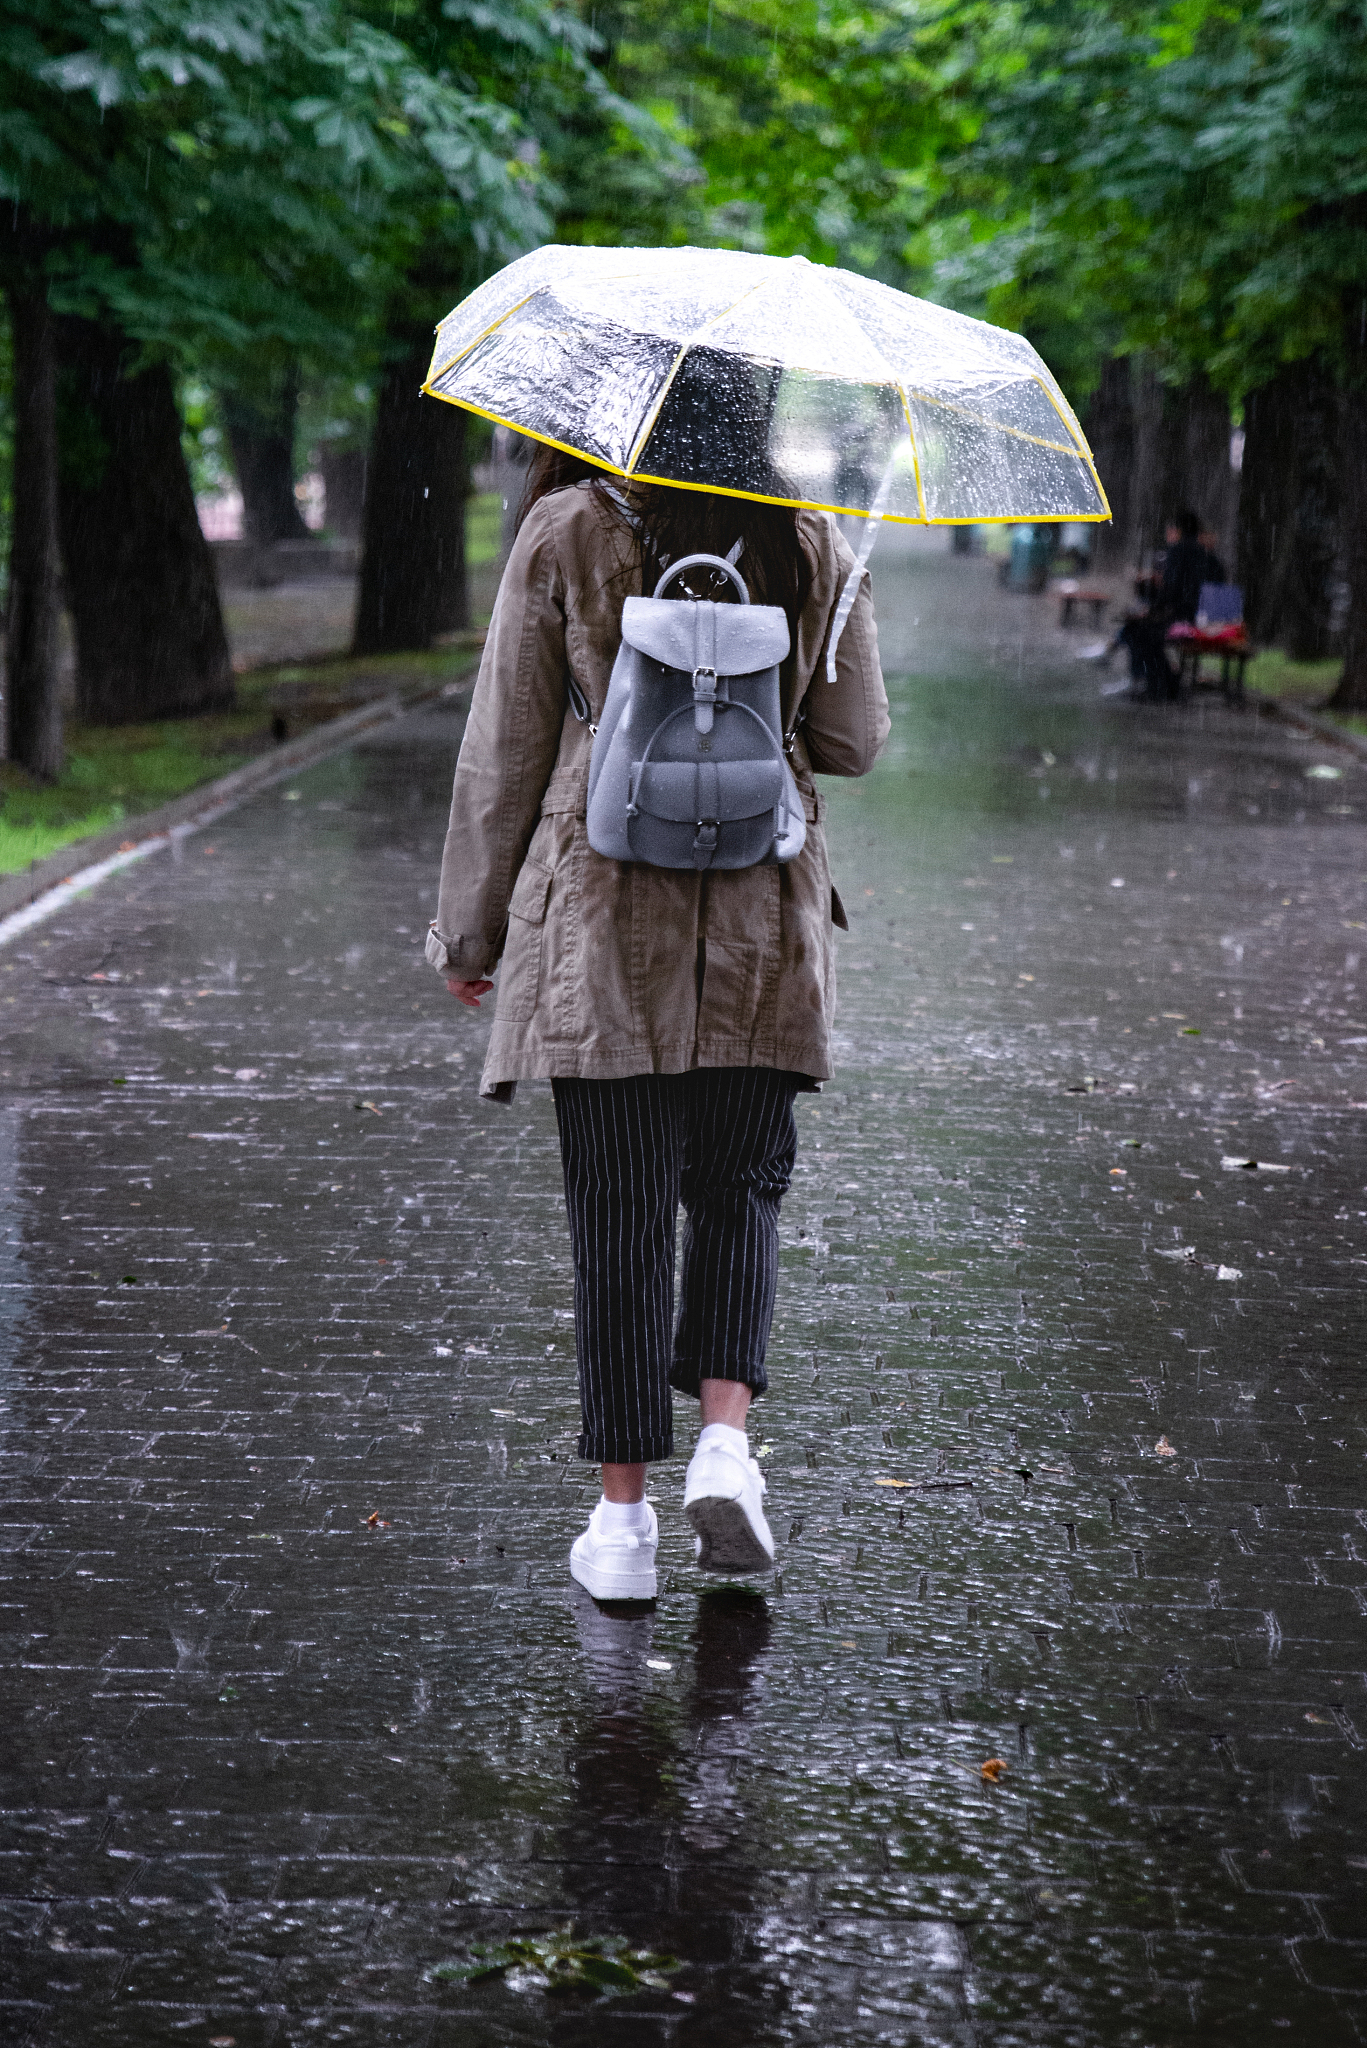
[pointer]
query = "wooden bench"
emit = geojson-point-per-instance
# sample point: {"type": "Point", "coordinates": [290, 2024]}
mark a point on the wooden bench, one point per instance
{"type": "Point", "coordinates": [1234, 651]}
{"type": "Point", "coordinates": [1072, 594]}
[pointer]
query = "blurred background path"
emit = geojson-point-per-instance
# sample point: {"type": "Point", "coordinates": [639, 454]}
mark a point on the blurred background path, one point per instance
{"type": "Point", "coordinates": [1064, 1448]}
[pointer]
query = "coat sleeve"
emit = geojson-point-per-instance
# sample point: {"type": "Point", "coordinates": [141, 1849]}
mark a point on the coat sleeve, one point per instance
{"type": "Point", "coordinates": [511, 740]}
{"type": "Point", "coordinates": [846, 722]}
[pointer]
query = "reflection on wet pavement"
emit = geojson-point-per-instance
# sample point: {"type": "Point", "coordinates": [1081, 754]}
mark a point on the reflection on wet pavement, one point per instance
{"type": "Point", "coordinates": [1064, 1448]}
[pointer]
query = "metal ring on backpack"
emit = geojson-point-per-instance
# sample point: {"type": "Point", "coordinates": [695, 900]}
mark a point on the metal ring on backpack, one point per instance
{"type": "Point", "coordinates": [715, 562]}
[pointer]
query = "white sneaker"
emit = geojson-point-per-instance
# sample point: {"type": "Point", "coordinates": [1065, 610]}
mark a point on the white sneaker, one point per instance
{"type": "Point", "coordinates": [723, 1493]}
{"type": "Point", "coordinates": [616, 1564]}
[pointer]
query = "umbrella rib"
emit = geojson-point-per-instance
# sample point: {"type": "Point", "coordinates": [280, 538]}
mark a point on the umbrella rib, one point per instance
{"type": "Point", "coordinates": [999, 426]}
{"type": "Point", "coordinates": [501, 419]}
{"type": "Point", "coordinates": [638, 445]}
{"type": "Point", "coordinates": [915, 457]}
{"type": "Point", "coordinates": [492, 328]}
{"type": "Point", "coordinates": [1082, 447]}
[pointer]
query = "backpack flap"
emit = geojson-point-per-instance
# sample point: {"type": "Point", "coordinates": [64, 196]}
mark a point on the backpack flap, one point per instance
{"type": "Point", "coordinates": [731, 639]}
{"type": "Point", "coordinates": [697, 792]}
{"type": "Point", "coordinates": [707, 813]}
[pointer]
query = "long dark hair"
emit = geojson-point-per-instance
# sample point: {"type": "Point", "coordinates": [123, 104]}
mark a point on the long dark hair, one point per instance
{"type": "Point", "coordinates": [674, 522]}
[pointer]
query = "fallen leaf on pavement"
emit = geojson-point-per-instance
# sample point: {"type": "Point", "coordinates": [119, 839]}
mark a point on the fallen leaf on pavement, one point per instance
{"type": "Point", "coordinates": [1164, 1448]}
{"type": "Point", "coordinates": [993, 1768]}
{"type": "Point", "coordinates": [374, 1522]}
{"type": "Point", "coordinates": [893, 1482]}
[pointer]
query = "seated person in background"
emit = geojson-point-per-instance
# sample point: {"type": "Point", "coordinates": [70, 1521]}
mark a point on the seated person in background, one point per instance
{"type": "Point", "coordinates": [1187, 564]}
{"type": "Point", "coordinates": [1173, 594]}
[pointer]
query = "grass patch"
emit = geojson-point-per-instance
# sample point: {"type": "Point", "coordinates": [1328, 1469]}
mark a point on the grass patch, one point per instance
{"type": "Point", "coordinates": [121, 771]}
{"type": "Point", "coordinates": [118, 772]}
{"type": "Point", "coordinates": [1305, 684]}
{"type": "Point", "coordinates": [483, 529]}
{"type": "Point", "coordinates": [112, 773]}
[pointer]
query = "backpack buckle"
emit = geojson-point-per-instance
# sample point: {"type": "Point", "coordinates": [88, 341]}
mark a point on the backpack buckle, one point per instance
{"type": "Point", "coordinates": [705, 842]}
{"type": "Point", "coordinates": [704, 697]}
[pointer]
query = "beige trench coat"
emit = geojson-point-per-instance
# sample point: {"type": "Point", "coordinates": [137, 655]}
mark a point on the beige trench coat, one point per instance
{"type": "Point", "coordinates": [611, 968]}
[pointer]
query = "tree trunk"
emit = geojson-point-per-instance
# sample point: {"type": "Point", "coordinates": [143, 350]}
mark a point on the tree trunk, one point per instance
{"type": "Point", "coordinates": [34, 707]}
{"type": "Point", "coordinates": [1267, 503]}
{"type": "Point", "coordinates": [140, 578]}
{"type": "Point", "coordinates": [1351, 694]}
{"type": "Point", "coordinates": [1196, 472]}
{"type": "Point", "coordinates": [343, 489]}
{"type": "Point", "coordinates": [1290, 510]}
{"type": "Point", "coordinates": [1110, 429]}
{"type": "Point", "coordinates": [1147, 485]}
{"type": "Point", "coordinates": [413, 581]}
{"type": "Point", "coordinates": [1317, 519]}
{"type": "Point", "coordinates": [261, 437]}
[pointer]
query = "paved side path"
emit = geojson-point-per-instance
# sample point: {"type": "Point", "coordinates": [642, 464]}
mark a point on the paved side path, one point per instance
{"type": "Point", "coordinates": [1065, 1450]}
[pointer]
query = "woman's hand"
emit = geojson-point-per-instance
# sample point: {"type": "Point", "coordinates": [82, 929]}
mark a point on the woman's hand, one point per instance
{"type": "Point", "coordinates": [468, 992]}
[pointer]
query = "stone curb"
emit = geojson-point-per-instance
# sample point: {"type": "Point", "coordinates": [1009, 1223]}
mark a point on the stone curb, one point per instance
{"type": "Point", "coordinates": [200, 806]}
{"type": "Point", "coordinates": [1322, 728]}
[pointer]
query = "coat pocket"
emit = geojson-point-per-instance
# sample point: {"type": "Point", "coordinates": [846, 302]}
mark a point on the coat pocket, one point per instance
{"type": "Point", "coordinates": [732, 989]}
{"type": "Point", "coordinates": [520, 977]}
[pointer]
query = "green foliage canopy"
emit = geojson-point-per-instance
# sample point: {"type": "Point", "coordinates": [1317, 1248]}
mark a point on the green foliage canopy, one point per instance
{"type": "Point", "coordinates": [1193, 176]}
{"type": "Point", "coordinates": [244, 171]}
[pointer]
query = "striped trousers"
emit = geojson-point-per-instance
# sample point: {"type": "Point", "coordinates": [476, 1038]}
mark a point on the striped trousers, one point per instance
{"type": "Point", "coordinates": [720, 1140]}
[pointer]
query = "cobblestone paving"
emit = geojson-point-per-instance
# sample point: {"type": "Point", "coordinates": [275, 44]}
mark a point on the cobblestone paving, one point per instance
{"type": "Point", "coordinates": [1065, 1448]}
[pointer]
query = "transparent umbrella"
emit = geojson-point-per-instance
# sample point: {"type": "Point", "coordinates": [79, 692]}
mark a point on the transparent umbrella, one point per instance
{"type": "Point", "coordinates": [772, 378]}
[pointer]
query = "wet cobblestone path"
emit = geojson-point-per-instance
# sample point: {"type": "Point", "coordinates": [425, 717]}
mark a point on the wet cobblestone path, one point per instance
{"type": "Point", "coordinates": [1065, 1449]}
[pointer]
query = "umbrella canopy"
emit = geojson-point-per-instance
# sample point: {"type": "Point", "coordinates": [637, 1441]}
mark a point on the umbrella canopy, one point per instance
{"type": "Point", "coordinates": [771, 378]}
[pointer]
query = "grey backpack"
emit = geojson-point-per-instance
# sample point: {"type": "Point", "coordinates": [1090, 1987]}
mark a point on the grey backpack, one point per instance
{"type": "Point", "coordinates": [688, 767]}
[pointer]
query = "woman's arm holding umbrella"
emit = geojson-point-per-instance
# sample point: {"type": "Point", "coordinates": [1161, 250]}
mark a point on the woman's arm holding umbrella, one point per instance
{"type": "Point", "coordinates": [511, 740]}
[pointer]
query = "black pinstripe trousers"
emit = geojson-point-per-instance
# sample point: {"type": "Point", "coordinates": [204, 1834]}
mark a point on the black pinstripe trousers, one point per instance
{"type": "Point", "coordinates": [722, 1140]}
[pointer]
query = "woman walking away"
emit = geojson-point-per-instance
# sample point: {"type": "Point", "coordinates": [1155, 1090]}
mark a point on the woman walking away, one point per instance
{"type": "Point", "coordinates": [676, 1009]}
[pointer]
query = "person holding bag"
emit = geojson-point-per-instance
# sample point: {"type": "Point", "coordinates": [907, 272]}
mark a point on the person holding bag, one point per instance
{"type": "Point", "coordinates": [677, 990]}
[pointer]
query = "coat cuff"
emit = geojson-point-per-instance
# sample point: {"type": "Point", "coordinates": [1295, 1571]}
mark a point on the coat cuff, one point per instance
{"type": "Point", "coordinates": [468, 959]}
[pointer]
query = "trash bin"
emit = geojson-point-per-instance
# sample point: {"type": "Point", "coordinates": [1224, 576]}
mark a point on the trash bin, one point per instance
{"type": "Point", "coordinates": [1028, 565]}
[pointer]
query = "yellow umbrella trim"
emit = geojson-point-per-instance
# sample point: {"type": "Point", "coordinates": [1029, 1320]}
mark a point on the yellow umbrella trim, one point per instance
{"type": "Point", "coordinates": [799, 504]}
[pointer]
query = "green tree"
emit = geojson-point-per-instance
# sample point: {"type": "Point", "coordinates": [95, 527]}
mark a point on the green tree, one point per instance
{"type": "Point", "coordinates": [572, 129]}
{"type": "Point", "coordinates": [1199, 173]}
{"type": "Point", "coordinates": [219, 176]}
{"type": "Point", "coordinates": [813, 127]}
